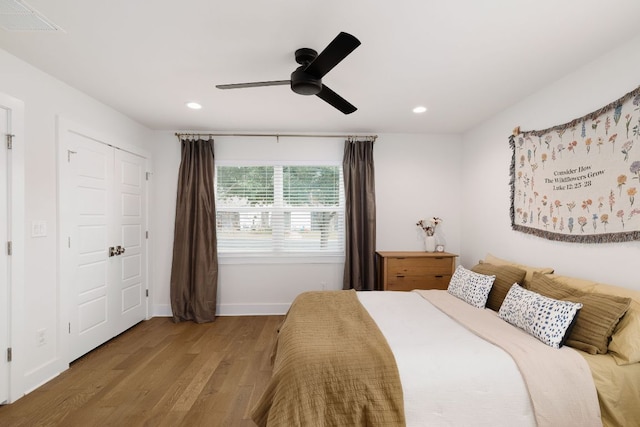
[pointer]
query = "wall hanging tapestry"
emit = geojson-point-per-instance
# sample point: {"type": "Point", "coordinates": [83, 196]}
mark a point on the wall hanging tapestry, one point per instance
{"type": "Point", "coordinates": [578, 182]}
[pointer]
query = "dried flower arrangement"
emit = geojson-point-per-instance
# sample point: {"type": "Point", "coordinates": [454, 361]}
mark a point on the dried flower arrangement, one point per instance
{"type": "Point", "coordinates": [429, 229]}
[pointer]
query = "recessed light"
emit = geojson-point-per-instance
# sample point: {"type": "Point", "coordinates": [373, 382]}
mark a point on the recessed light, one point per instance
{"type": "Point", "coordinates": [419, 109]}
{"type": "Point", "coordinates": [194, 105]}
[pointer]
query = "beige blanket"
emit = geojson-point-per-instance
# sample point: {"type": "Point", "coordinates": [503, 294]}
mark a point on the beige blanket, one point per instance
{"type": "Point", "coordinates": [559, 380]}
{"type": "Point", "coordinates": [332, 366]}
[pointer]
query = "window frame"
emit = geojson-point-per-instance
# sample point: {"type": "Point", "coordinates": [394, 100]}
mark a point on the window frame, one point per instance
{"type": "Point", "coordinates": [274, 257]}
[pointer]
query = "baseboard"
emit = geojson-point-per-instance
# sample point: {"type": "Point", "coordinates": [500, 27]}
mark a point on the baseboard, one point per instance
{"type": "Point", "coordinates": [164, 310]}
{"type": "Point", "coordinates": [252, 309]}
{"type": "Point", "coordinates": [161, 310]}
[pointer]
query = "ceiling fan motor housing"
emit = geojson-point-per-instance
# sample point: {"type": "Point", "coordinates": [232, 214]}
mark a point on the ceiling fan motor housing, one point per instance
{"type": "Point", "coordinates": [301, 82]}
{"type": "Point", "coordinates": [304, 83]}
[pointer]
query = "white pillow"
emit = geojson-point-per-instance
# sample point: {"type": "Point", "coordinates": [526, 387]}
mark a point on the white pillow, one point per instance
{"type": "Point", "coordinates": [471, 287]}
{"type": "Point", "coordinates": [545, 318]}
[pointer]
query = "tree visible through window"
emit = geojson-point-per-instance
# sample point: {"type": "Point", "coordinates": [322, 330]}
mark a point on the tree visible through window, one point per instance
{"type": "Point", "coordinates": [280, 209]}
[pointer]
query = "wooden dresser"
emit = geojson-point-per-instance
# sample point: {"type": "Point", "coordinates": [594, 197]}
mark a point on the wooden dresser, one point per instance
{"type": "Point", "coordinates": [405, 271]}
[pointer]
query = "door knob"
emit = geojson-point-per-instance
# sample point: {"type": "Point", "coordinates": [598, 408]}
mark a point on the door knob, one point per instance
{"type": "Point", "coordinates": [119, 250]}
{"type": "Point", "coordinates": [112, 251]}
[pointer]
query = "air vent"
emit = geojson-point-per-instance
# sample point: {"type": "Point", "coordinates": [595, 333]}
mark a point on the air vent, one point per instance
{"type": "Point", "coordinates": [16, 15]}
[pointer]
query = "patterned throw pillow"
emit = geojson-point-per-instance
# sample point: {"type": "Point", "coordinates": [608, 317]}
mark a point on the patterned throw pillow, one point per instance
{"type": "Point", "coordinates": [473, 288]}
{"type": "Point", "coordinates": [545, 318]}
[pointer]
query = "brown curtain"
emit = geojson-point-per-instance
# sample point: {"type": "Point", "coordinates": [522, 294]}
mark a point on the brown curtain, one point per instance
{"type": "Point", "coordinates": [194, 271]}
{"type": "Point", "coordinates": [360, 216]}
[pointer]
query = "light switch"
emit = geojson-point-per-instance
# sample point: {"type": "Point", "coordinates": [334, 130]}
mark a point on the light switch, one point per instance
{"type": "Point", "coordinates": [38, 228]}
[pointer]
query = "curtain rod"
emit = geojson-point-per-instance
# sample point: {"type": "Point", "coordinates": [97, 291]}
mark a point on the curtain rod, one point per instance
{"type": "Point", "coordinates": [277, 135]}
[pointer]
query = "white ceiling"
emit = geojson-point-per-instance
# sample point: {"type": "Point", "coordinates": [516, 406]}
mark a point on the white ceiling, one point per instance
{"type": "Point", "coordinates": [465, 60]}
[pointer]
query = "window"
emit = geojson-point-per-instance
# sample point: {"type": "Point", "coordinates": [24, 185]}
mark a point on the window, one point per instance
{"type": "Point", "coordinates": [280, 210]}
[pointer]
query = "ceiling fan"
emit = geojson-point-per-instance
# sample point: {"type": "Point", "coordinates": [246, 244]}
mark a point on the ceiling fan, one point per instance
{"type": "Point", "coordinates": [307, 78]}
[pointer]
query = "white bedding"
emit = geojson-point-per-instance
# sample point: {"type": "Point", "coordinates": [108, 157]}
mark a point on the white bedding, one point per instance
{"type": "Point", "coordinates": [475, 375]}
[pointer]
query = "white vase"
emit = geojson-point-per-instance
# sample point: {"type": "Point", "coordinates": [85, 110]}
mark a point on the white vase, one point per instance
{"type": "Point", "coordinates": [430, 243]}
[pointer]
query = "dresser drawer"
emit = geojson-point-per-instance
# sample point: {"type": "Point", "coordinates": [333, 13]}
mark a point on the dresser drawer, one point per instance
{"type": "Point", "coordinates": [411, 282]}
{"type": "Point", "coordinates": [418, 266]}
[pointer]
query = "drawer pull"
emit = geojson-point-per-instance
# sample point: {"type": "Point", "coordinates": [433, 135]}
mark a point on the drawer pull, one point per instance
{"type": "Point", "coordinates": [399, 275]}
{"type": "Point", "coordinates": [439, 276]}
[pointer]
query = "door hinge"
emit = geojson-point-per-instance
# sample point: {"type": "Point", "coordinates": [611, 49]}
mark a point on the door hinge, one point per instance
{"type": "Point", "coordinates": [10, 141]}
{"type": "Point", "coordinates": [69, 241]}
{"type": "Point", "coordinates": [69, 327]}
{"type": "Point", "coordinates": [146, 234]}
{"type": "Point", "coordinates": [148, 175]}
{"type": "Point", "coordinates": [9, 248]}
{"type": "Point", "coordinates": [147, 292]}
{"type": "Point", "coordinates": [69, 153]}
{"type": "Point", "coordinates": [9, 354]}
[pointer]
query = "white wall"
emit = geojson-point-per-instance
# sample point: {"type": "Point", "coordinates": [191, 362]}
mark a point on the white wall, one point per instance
{"type": "Point", "coordinates": [165, 149]}
{"type": "Point", "coordinates": [417, 177]}
{"type": "Point", "coordinates": [45, 98]}
{"type": "Point", "coordinates": [486, 161]}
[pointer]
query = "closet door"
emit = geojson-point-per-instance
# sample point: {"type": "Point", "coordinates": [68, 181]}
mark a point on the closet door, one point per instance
{"type": "Point", "coordinates": [91, 173]}
{"type": "Point", "coordinates": [106, 245]}
{"type": "Point", "coordinates": [129, 224]}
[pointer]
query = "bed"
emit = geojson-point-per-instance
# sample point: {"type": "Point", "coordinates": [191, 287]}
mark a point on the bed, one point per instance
{"type": "Point", "coordinates": [430, 358]}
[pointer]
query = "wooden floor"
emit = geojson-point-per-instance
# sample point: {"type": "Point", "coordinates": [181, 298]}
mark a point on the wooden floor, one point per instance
{"type": "Point", "coordinates": [159, 374]}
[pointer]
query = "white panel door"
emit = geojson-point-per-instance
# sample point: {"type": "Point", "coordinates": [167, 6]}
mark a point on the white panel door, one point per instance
{"type": "Point", "coordinates": [129, 223]}
{"type": "Point", "coordinates": [4, 259]}
{"type": "Point", "coordinates": [11, 229]}
{"type": "Point", "coordinates": [91, 173]}
{"type": "Point", "coordinates": [107, 242]}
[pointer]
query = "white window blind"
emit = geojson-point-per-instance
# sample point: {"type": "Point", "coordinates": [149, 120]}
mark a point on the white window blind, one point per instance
{"type": "Point", "coordinates": [280, 210]}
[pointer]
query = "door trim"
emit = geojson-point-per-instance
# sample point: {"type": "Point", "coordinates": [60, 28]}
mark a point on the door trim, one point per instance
{"type": "Point", "coordinates": [65, 225]}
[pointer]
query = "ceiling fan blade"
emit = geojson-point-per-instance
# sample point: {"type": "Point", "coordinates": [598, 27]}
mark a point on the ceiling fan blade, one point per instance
{"type": "Point", "coordinates": [335, 52]}
{"type": "Point", "coordinates": [335, 100]}
{"type": "Point", "coordinates": [254, 84]}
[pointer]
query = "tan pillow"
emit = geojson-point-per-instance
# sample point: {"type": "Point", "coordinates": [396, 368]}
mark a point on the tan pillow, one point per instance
{"type": "Point", "coordinates": [573, 282]}
{"type": "Point", "coordinates": [506, 276]}
{"type": "Point", "coordinates": [545, 285]}
{"type": "Point", "coordinates": [529, 269]}
{"type": "Point", "coordinates": [625, 341]}
{"type": "Point", "coordinates": [598, 317]}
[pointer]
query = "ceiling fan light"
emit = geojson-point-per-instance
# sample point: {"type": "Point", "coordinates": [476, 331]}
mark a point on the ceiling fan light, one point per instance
{"type": "Point", "coordinates": [193, 105]}
{"type": "Point", "coordinates": [419, 109]}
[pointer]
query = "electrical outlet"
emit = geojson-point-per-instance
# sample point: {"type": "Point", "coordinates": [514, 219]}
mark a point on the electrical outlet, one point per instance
{"type": "Point", "coordinates": [41, 337]}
